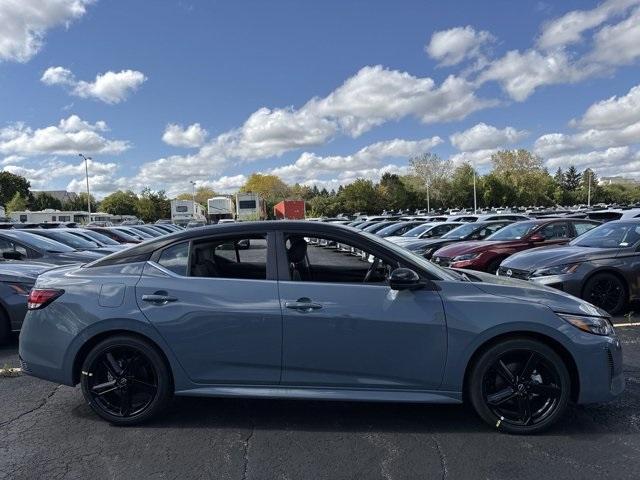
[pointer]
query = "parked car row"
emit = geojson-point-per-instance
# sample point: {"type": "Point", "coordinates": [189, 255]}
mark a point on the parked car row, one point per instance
{"type": "Point", "coordinates": [27, 252]}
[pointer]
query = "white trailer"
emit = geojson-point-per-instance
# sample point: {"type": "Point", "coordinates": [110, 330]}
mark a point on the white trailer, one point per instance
{"type": "Point", "coordinates": [50, 215]}
{"type": "Point", "coordinates": [220, 208]}
{"type": "Point", "coordinates": [250, 206]}
{"type": "Point", "coordinates": [185, 211]}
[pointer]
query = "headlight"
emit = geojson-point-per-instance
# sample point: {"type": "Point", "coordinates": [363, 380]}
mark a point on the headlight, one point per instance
{"type": "Point", "coordinates": [557, 270]}
{"type": "Point", "coordinates": [466, 256]}
{"type": "Point", "coordinates": [595, 325]}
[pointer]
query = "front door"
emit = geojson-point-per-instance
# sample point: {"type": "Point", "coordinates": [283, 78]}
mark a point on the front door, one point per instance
{"type": "Point", "coordinates": [340, 331]}
{"type": "Point", "coordinates": [215, 306]}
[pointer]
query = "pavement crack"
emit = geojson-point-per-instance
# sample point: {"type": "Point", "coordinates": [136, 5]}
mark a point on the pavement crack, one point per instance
{"type": "Point", "coordinates": [245, 453]}
{"type": "Point", "coordinates": [442, 456]}
{"type": "Point", "coordinates": [42, 403]}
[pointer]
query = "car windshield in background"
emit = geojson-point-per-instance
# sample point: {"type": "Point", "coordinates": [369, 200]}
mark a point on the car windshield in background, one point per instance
{"type": "Point", "coordinates": [414, 232]}
{"type": "Point", "coordinates": [515, 231]}
{"type": "Point", "coordinates": [71, 240]}
{"type": "Point", "coordinates": [610, 235]}
{"type": "Point", "coordinates": [461, 232]}
{"type": "Point", "coordinates": [41, 243]}
{"type": "Point", "coordinates": [96, 236]}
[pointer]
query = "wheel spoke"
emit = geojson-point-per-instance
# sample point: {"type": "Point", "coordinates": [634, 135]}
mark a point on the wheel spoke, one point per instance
{"type": "Point", "coordinates": [112, 365]}
{"type": "Point", "coordinates": [102, 386]}
{"type": "Point", "coordinates": [148, 387]}
{"type": "Point", "coordinates": [125, 398]}
{"type": "Point", "coordinates": [530, 366]}
{"type": "Point", "coordinates": [524, 409]}
{"type": "Point", "coordinates": [130, 364]}
{"type": "Point", "coordinates": [505, 373]}
{"type": "Point", "coordinates": [551, 391]}
{"type": "Point", "coordinates": [501, 397]}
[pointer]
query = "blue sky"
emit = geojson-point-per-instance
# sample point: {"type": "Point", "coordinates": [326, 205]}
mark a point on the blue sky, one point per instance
{"type": "Point", "coordinates": [160, 93]}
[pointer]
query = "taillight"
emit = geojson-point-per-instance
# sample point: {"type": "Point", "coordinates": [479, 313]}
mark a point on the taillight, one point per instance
{"type": "Point", "coordinates": [41, 297]}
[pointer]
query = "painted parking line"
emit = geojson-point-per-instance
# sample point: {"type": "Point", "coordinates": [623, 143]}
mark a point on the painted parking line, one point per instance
{"type": "Point", "coordinates": [10, 372]}
{"type": "Point", "coordinates": [632, 324]}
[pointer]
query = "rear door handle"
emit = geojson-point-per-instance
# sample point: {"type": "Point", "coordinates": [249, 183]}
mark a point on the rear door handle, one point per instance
{"type": "Point", "coordinates": [303, 305]}
{"type": "Point", "coordinates": [158, 299]}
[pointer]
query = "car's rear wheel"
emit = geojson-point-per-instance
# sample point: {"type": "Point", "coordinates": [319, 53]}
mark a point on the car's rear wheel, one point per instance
{"type": "Point", "coordinates": [606, 291]}
{"type": "Point", "coordinates": [125, 380]}
{"type": "Point", "coordinates": [519, 386]}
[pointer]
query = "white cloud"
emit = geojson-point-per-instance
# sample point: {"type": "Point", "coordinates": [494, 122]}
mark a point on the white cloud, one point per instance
{"type": "Point", "coordinates": [12, 159]}
{"type": "Point", "coordinates": [70, 136]}
{"type": "Point", "coordinates": [109, 87]}
{"type": "Point", "coordinates": [25, 23]}
{"type": "Point", "coordinates": [452, 46]}
{"type": "Point", "coordinates": [41, 176]}
{"type": "Point", "coordinates": [614, 112]}
{"type": "Point", "coordinates": [311, 166]}
{"type": "Point", "coordinates": [178, 136]}
{"type": "Point", "coordinates": [477, 158]}
{"type": "Point", "coordinates": [483, 136]}
{"type": "Point", "coordinates": [349, 176]}
{"type": "Point", "coordinates": [597, 159]}
{"type": "Point", "coordinates": [618, 44]}
{"type": "Point", "coordinates": [568, 28]}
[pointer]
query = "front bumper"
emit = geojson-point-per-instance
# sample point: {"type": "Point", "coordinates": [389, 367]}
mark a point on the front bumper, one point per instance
{"type": "Point", "coordinates": [600, 369]}
{"type": "Point", "coordinates": [569, 283]}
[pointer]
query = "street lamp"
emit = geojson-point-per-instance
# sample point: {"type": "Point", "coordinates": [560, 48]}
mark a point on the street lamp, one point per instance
{"type": "Point", "coordinates": [86, 172]}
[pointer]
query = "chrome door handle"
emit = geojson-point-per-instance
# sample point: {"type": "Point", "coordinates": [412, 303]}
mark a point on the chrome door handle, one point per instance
{"type": "Point", "coordinates": [158, 299]}
{"type": "Point", "coordinates": [303, 305]}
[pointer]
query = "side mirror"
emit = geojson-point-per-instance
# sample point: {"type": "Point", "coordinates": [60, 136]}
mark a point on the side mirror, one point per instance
{"type": "Point", "coordinates": [405, 279]}
{"type": "Point", "coordinates": [536, 238]}
{"type": "Point", "coordinates": [12, 255]}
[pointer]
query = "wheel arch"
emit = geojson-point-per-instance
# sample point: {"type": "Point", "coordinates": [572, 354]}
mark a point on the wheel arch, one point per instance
{"type": "Point", "coordinates": [91, 342]}
{"type": "Point", "coordinates": [564, 354]}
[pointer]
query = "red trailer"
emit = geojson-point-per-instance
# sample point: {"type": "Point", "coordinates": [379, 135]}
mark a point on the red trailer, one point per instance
{"type": "Point", "coordinates": [289, 210]}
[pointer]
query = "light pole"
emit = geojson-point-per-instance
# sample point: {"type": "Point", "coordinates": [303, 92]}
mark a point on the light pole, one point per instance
{"type": "Point", "coordinates": [589, 190]}
{"type": "Point", "coordinates": [86, 172]}
{"type": "Point", "coordinates": [475, 204]}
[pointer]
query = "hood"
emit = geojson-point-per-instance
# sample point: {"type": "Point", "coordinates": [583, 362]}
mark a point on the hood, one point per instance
{"type": "Point", "coordinates": [556, 300]}
{"type": "Point", "coordinates": [460, 248]}
{"type": "Point", "coordinates": [543, 257]}
{"type": "Point", "coordinates": [19, 271]}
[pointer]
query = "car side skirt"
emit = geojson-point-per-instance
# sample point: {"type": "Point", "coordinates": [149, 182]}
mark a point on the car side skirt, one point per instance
{"type": "Point", "coordinates": [342, 394]}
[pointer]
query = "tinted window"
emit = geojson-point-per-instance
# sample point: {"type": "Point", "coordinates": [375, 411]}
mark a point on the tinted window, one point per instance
{"type": "Point", "coordinates": [176, 258]}
{"type": "Point", "coordinates": [42, 243]}
{"type": "Point", "coordinates": [247, 204]}
{"type": "Point", "coordinates": [554, 231]}
{"type": "Point", "coordinates": [583, 227]}
{"type": "Point", "coordinates": [238, 257]}
{"type": "Point", "coordinates": [181, 208]}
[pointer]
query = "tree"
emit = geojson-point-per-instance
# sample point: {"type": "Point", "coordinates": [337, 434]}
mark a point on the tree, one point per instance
{"type": "Point", "coordinates": [434, 172]}
{"type": "Point", "coordinates": [524, 179]}
{"type": "Point", "coordinates": [43, 200]}
{"type": "Point", "coordinates": [361, 196]}
{"type": "Point", "coordinates": [572, 179]}
{"type": "Point", "coordinates": [120, 203]}
{"type": "Point", "coordinates": [153, 205]}
{"type": "Point", "coordinates": [11, 184]}
{"type": "Point", "coordinates": [393, 192]}
{"type": "Point", "coordinates": [461, 191]}
{"type": "Point", "coordinates": [300, 192]}
{"type": "Point", "coordinates": [270, 187]}
{"type": "Point", "coordinates": [18, 203]}
{"type": "Point", "coordinates": [203, 194]}
{"type": "Point", "coordinates": [559, 177]}
{"type": "Point", "coordinates": [79, 203]}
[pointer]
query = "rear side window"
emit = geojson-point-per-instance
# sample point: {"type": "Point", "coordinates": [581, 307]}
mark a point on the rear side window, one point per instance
{"type": "Point", "coordinates": [582, 227]}
{"type": "Point", "coordinates": [555, 231]}
{"type": "Point", "coordinates": [176, 258]}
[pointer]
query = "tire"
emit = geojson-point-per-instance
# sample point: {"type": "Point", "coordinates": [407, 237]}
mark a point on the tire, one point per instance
{"type": "Point", "coordinates": [5, 327]}
{"type": "Point", "coordinates": [607, 291]}
{"type": "Point", "coordinates": [126, 381]}
{"type": "Point", "coordinates": [537, 371]}
{"type": "Point", "coordinates": [492, 268]}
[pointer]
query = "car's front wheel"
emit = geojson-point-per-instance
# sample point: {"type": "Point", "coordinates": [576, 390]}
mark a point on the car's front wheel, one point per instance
{"type": "Point", "coordinates": [519, 385]}
{"type": "Point", "coordinates": [125, 380]}
{"type": "Point", "coordinates": [606, 291]}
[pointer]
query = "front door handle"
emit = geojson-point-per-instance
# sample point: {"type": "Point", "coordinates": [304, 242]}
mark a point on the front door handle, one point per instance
{"type": "Point", "coordinates": [159, 299]}
{"type": "Point", "coordinates": [303, 304]}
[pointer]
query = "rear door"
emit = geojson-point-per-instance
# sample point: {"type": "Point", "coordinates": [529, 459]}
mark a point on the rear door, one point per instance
{"type": "Point", "coordinates": [217, 307]}
{"type": "Point", "coordinates": [339, 331]}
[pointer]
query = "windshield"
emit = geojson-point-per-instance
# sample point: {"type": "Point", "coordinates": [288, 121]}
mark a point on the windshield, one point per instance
{"type": "Point", "coordinates": [40, 243]}
{"type": "Point", "coordinates": [70, 239]}
{"type": "Point", "coordinates": [103, 239]}
{"type": "Point", "coordinates": [462, 231]}
{"type": "Point", "coordinates": [610, 235]}
{"type": "Point", "coordinates": [386, 231]}
{"type": "Point", "coordinates": [515, 231]}
{"type": "Point", "coordinates": [415, 232]}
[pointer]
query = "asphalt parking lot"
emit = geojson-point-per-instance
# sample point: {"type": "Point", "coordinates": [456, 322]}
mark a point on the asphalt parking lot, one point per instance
{"type": "Point", "coordinates": [47, 431]}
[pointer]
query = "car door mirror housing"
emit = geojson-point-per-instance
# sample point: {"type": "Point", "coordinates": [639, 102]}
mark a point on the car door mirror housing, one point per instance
{"type": "Point", "coordinates": [405, 279]}
{"type": "Point", "coordinates": [536, 237]}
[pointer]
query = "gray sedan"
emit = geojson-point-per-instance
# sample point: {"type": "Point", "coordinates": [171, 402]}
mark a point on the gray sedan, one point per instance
{"type": "Point", "coordinates": [601, 266]}
{"type": "Point", "coordinates": [25, 246]}
{"type": "Point", "coordinates": [192, 314]}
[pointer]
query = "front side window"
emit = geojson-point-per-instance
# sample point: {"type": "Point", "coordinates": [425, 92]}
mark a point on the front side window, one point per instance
{"type": "Point", "coordinates": [323, 259]}
{"type": "Point", "coordinates": [243, 257]}
{"type": "Point", "coordinates": [176, 258]}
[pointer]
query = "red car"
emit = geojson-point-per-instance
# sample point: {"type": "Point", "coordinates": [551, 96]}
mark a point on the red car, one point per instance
{"type": "Point", "coordinates": [486, 255]}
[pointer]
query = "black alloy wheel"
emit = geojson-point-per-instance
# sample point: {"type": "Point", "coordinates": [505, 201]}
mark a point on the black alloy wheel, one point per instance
{"type": "Point", "coordinates": [125, 380]}
{"type": "Point", "coordinates": [520, 386]}
{"type": "Point", "coordinates": [606, 291]}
